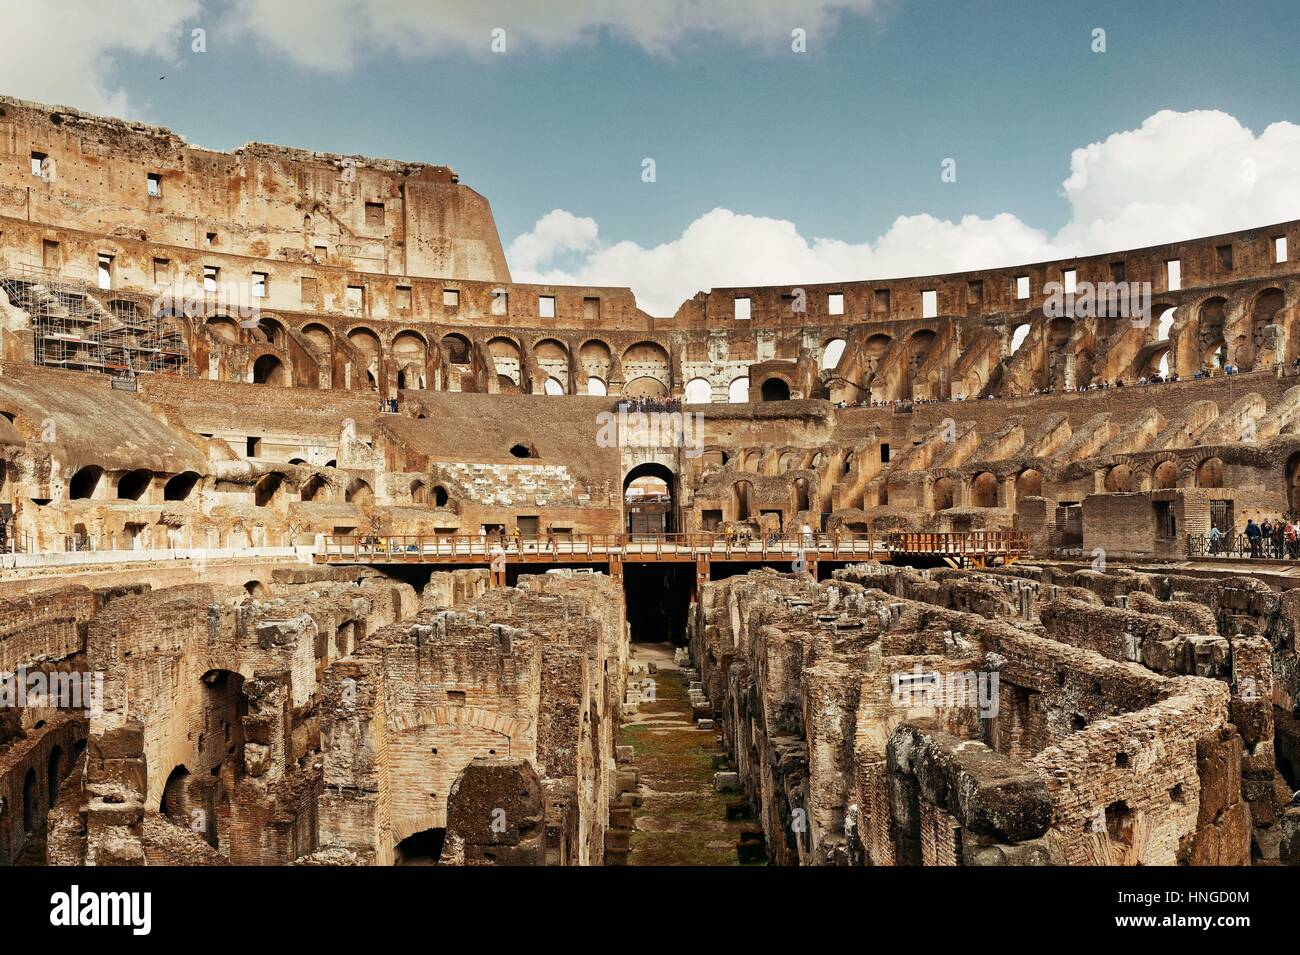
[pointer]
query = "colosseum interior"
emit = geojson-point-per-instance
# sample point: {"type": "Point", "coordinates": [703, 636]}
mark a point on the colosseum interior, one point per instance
{"type": "Point", "coordinates": [326, 543]}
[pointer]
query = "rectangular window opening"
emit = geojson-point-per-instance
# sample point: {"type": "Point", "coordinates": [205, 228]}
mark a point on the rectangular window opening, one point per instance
{"type": "Point", "coordinates": [929, 303]}
{"type": "Point", "coordinates": [835, 303]}
{"type": "Point", "coordinates": [1022, 287]}
{"type": "Point", "coordinates": [742, 306]}
{"type": "Point", "coordinates": [546, 306]}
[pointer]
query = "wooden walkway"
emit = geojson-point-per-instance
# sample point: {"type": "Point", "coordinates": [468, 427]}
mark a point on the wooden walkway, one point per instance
{"type": "Point", "coordinates": [977, 548]}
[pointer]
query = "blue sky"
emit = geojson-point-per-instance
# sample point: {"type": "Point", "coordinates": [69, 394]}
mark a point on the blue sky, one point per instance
{"type": "Point", "coordinates": [838, 142]}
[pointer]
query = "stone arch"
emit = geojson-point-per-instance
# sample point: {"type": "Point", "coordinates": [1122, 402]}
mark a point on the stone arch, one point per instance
{"type": "Point", "coordinates": [738, 390]}
{"type": "Point", "coordinates": [698, 392]}
{"type": "Point", "coordinates": [133, 485]}
{"type": "Point", "coordinates": [359, 492]}
{"type": "Point", "coordinates": [315, 488]}
{"type": "Point", "coordinates": [1029, 483]}
{"type": "Point", "coordinates": [271, 331]}
{"type": "Point", "coordinates": [944, 494]}
{"type": "Point", "coordinates": [742, 496]}
{"type": "Point", "coordinates": [367, 344]}
{"type": "Point", "coordinates": [1120, 479]}
{"type": "Point", "coordinates": [319, 338]}
{"type": "Point", "coordinates": [552, 357]}
{"type": "Point", "coordinates": [1209, 473]}
{"type": "Point", "coordinates": [410, 351]}
{"type": "Point", "coordinates": [457, 349]}
{"type": "Point", "coordinates": [222, 328]}
{"type": "Point", "coordinates": [659, 472]}
{"type": "Point", "coordinates": [595, 358]}
{"type": "Point", "coordinates": [647, 359]}
{"type": "Point", "coordinates": [507, 361]}
{"type": "Point", "coordinates": [1211, 315]}
{"type": "Point", "coordinates": [1164, 475]}
{"type": "Point", "coordinates": [832, 352]}
{"type": "Point", "coordinates": [85, 482]}
{"type": "Point", "coordinates": [984, 490]}
{"type": "Point", "coordinates": [645, 387]}
{"type": "Point", "coordinates": [776, 388]}
{"type": "Point", "coordinates": [181, 486]}
{"type": "Point", "coordinates": [269, 370]}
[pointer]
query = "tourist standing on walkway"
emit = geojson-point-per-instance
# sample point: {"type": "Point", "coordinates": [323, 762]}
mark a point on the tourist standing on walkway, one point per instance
{"type": "Point", "coordinates": [1253, 536]}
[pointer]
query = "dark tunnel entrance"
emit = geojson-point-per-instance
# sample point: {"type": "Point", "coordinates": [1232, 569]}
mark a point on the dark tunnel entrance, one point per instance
{"type": "Point", "coordinates": [658, 600]}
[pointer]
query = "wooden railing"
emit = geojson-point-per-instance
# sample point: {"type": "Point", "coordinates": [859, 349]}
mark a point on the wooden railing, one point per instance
{"type": "Point", "coordinates": [576, 548]}
{"type": "Point", "coordinates": [968, 544]}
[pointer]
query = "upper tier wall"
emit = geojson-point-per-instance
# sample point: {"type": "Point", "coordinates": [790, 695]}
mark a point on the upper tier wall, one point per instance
{"type": "Point", "coordinates": [64, 168]}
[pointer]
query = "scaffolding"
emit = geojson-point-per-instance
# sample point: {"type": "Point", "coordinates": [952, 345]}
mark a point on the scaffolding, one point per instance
{"type": "Point", "coordinates": [73, 331]}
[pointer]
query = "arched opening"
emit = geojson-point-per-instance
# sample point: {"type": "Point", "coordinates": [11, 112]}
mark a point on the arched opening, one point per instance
{"type": "Point", "coordinates": [1166, 324]}
{"type": "Point", "coordinates": [918, 349]}
{"type": "Point", "coordinates": [1018, 337]}
{"type": "Point", "coordinates": [698, 392]}
{"type": "Point", "coordinates": [523, 451]}
{"type": "Point", "coordinates": [85, 482]}
{"type": "Point", "coordinates": [1214, 350]}
{"type": "Point", "coordinates": [268, 370]}
{"type": "Point", "coordinates": [132, 485]}
{"type": "Point", "coordinates": [649, 499]}
{"type": "Point", "coordinates": [1165, 475]}
{"type": "Point", "coordinates": [553, 359]}
{"type": "Point", "coordinates": [366, 343]}
{"type": "Point", "coordinates": [738, 391]}
{"type": "Point", "coordinates": [29, 802]}
{"type": "Point", "coordinates": [742, 494]}
{"type": "Point", "coordinates": [255, 588]}
{"type": "Point", "coordinates": [646, 360]}
{"type": "Point", "coordinates": [319, 338]}
{"type": "Point", "coordinates": [1029, 483]}
{"type": "Point", "coordinates": [984, 490]}
{"type": "Point", "coordinates": [456, 348]}
{"type": "Point", "coordinates": [645, 388]}
{"type": "Point", "coordinates": [944, 494]}
{"type": "Point", "coordinates": [1158, 363]}
{"type": "Point", "coordinates": [1120, 480]}
{"type": "Point", "coordinates": [833, 353]}
{"type": "Point", "coordinates": [596, 386]}
{"type": "Point", "coordinates": [1265, 313]}
{"type": "Point", "coordinates": [270, 331]}
{"type": "Point", "coordinates": [439, 496]}
{"type": "Point", "coordinates": [1293, 483]}
{"type": "Point", "coordinates": [266, 489]}
{"type": "Point", "coordinates": [222, 328]}
{"type": "Point", "coordinates": [359, 492]}
{"type": "Point", "coordinates": [421, 848]}
{"type": "Point", "coordinates": [181, 486]}
{"type": "Point", "coordinates": [506, 362]}
{"type": "Point", "coordinates": [595, 359]}
{"type": "Point", "coordinates": [776, 389]}
{"type": "Point", "coordinates": [314, 488]}
{"type": "Point", "coordinates": [172, 804]}
{"type": "Point", "coordinates": [802, 500]}
{"type": "Point", "coordinates": [1210, 473]}
{"type": "Point", "coordinates": [54, 773]}
{"type": "Point", "coordinates": [410, 354]}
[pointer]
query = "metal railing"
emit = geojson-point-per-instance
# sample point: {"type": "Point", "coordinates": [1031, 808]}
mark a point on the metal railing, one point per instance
{"type": "Point", "coordinates": [1241, 546]}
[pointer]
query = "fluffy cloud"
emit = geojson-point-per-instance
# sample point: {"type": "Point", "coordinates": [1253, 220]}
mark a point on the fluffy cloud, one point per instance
{"type": "Point", "coordinates": [334, 34]}
{"type": "Point", "coordinates": [62, 52]}
{"type": "Point", "coordinates": [1178, 176]}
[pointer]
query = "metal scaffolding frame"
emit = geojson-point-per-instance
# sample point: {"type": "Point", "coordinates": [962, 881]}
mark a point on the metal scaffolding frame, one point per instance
{"type": "Point", "coordinates": [73, 331]}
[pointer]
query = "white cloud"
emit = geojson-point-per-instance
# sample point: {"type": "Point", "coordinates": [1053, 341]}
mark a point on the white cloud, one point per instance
{"type": "Point", "coordinates": [62, 53]}
{"type": "Point", "coordinates": [1179, 176]}
{"type": "Point", "coordinates": [556, 233]}
{"type": "Point", "coordinates": [334, 34]}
